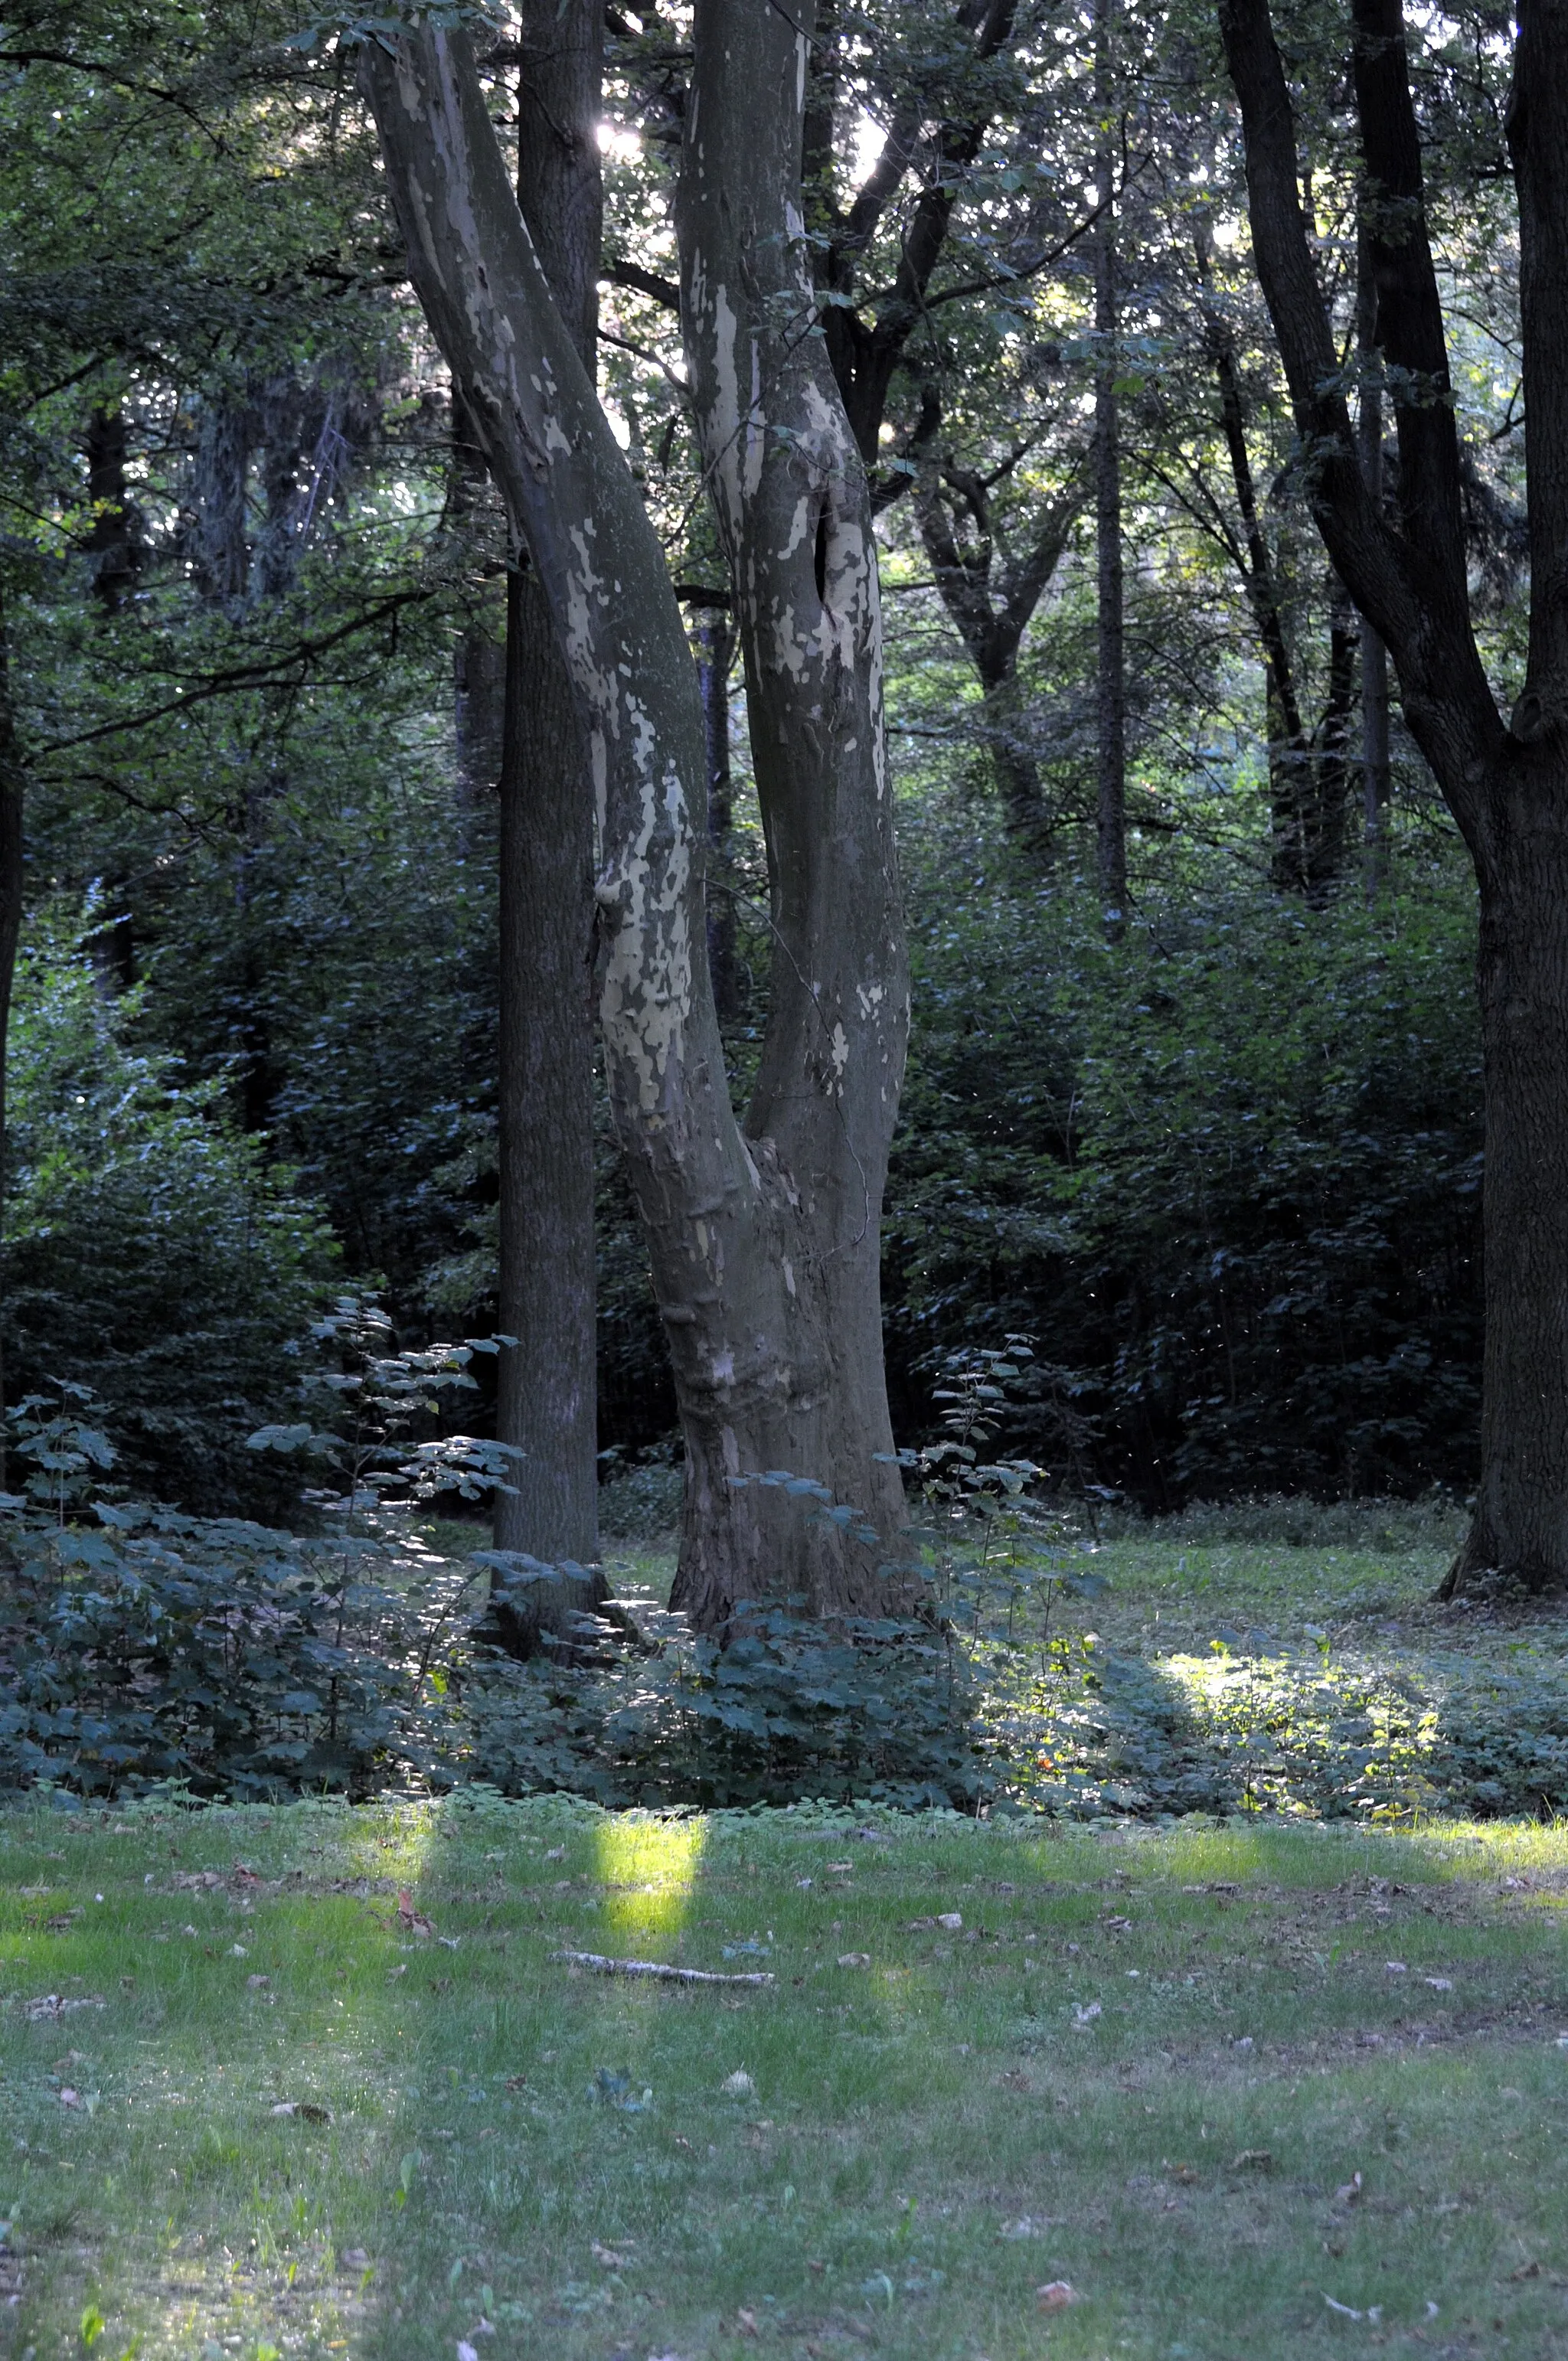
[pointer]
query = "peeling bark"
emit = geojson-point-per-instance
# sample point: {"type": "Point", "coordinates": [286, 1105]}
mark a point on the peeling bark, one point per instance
{"type": "Point", "coordinates": [763, 1244]}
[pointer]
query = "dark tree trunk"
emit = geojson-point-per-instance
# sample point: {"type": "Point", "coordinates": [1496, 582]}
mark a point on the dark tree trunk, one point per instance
{"type": "Point", "coordinates": [764, 1245]}
{"type": "Point", "coordinates": [1111, 698]}
{"type": "Point", "coordinates": [546, 1398]}
{"type": "Point", "coordinates": [112, 543]}
{"type": "Point", "coordinates": [11, 882]}
{"type": "Point", "coordinates": [222, 546]}
{"type": "Point", "coordinates": [1521, 1525]}
{"type": "Point", "coordinates": [1375, 777]}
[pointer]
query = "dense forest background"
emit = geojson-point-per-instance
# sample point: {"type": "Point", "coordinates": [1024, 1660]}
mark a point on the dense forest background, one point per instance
{"type": "Point", "coordinates": [1218, 1158]}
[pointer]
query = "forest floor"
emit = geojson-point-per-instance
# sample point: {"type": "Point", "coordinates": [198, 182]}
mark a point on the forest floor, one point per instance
{"type": "Point", "coordinates": [1246, 2088]}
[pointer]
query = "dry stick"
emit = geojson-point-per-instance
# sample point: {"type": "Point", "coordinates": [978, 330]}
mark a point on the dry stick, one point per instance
{"type": "Point", "coordinates": [655, 1968]}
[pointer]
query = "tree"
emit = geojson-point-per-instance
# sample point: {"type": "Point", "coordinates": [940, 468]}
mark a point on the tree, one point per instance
{"type": "Point", "coordinates": [955, 506]}
{"type": "Point", "coordinates": [763, 1240]}
{"type": "Point", "coordinates": [1505, 781]}
{"type": "Point", "coordinates": [545, 1398]}
{"type": "Point", "coordinates": [1111, 736]}
{"type": "Point", "coordinates": [12, 880]}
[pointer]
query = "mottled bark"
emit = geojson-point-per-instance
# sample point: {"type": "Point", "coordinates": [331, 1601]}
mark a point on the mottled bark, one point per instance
{"type": "Point", "coordinates": [546, 1394]}
{"type": "Point", "coordinates": [1506, 784]}
{"type": "Point", "coordinates": [762, 1246]}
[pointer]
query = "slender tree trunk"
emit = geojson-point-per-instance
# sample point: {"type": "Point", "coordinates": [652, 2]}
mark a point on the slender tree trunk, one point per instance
{"type": "Point", "coordinates": [1110, 831]}
{"type": "Point", "coordinates": [715, 658]}
{"type": "Point", "coordinates": [763, 1246]}
{"type": "Point", "coordinates": [546, 1399]}
{"type": "Point", "coordinates": [11, 882]}
{"type": "Point", "coordinates": [1374, 769]}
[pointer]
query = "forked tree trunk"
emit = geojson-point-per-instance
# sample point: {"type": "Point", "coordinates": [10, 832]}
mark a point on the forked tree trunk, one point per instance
{"type": "Point", "coordinates": [763, 1244]}
{"type": "Point", "coordinates": [546, 1398]}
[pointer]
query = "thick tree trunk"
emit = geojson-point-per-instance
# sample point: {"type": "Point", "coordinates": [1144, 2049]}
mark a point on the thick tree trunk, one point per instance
{"type": "Point", "coordinates": [1520, 1526]}
{"type": "Point", "coordinates": [794, 511]}
{"type": "Point", "coordinates": [546, 1398]}
{"type": "Point", "coordinates": [11, 881]}
{"type": "Point", "coordinates": [764, 1248]}
{"type": "Point", "coordinates": [1111, 700]}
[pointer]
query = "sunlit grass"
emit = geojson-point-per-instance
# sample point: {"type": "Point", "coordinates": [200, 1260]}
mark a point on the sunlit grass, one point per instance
{"type": "Point", "coordinates": [648, 1868]}
{"type": "Point", "coordinates": [1122, 2020]}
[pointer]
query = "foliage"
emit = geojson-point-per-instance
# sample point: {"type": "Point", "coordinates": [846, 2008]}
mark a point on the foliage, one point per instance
{"type": "Point", "coordinates": [151, 1251]}
{"type": "Point", "coordinates": [216, 1653]}
{"type": "Point", "coordinates": [773, 1707]}
{"type": "Point", "coordinates": [1230, 1168]}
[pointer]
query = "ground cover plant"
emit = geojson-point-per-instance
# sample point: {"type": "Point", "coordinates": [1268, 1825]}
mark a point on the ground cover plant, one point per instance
{"type": "Point", "coordinates": [314, 2079]}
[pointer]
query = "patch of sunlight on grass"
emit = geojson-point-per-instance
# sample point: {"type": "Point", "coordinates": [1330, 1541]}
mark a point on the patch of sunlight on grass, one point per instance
{"type": "Point", "coordinates": [651, 1867]}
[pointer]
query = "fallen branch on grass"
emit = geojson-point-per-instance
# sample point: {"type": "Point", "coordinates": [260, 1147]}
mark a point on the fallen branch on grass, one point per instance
{"type": "Point", "coordinates": [655, 1968]}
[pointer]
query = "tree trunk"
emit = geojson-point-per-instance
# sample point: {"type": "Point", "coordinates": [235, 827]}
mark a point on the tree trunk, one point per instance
{"type": "Point", "coordinates": [1110, 704]}
{"type": "Point", "coordinates": [1520, 1526]}
{"type": "Point", "coordinates": [11, 882]}
{"type": "Point", "coordinates": [714, 657]}
{"type": "Point", "coordinates": [763, 1246]}
{"type": "Point", "coordinates": [480, 657]}
{"type": "Point", "coordinates": [794, 512]}
{"type": "Point", "coordinates": [546, 1395]}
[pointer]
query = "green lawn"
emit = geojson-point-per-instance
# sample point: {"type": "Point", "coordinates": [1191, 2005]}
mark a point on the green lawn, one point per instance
{"type": "Point", "coordinates": [1174, 2068]}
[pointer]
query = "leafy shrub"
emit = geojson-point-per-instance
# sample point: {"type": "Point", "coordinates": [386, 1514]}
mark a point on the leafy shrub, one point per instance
{"type": "Point", "coordinates": [772, 1710]}
{"type": "Point", "coordinates": [150, 1251]}
{"type": "Point", "coordinates": [214, 1653]}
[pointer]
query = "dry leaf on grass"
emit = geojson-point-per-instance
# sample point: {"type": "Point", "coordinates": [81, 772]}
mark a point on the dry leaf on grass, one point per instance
{"type": "Point", "coordinates": [738, 2085]}
{"type": "Point", "coordinates": [854, 1959]}
{"type": "Point", "coordinates": [69, 2098]}
{"type": "Point", "coordinates": [1253, 2159]}
{"type": "Point", "coordinates": [748, 2320]}
{"type": "Point", "coordinates": [608, 2259]}
{"type": "Point", "coordinates": [1056, 2295]}
{"type": "Point", "coordinates": [414, 1920]}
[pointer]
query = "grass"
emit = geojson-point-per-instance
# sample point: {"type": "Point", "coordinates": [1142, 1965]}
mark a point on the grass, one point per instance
{"type": "Point", "coordinates": [1151, 2064]}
